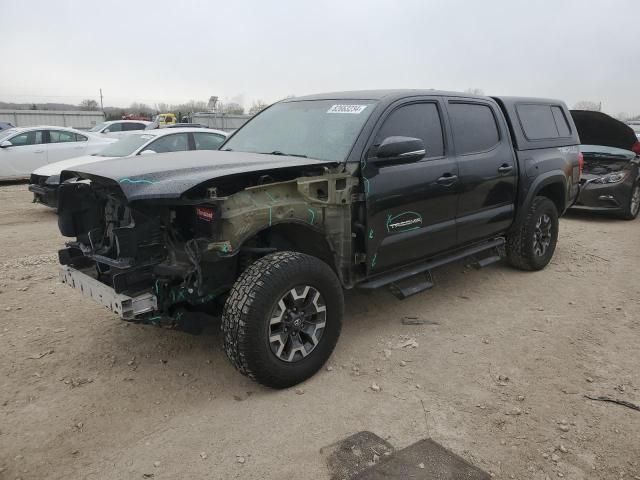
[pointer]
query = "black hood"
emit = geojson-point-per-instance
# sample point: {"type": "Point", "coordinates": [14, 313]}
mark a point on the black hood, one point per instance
{"type": "Point", "coordinates": [170, 175]}
{"type": "Point", "coordinates": [597, 128]}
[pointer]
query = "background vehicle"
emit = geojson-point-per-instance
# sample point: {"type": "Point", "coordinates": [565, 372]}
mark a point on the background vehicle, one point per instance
{"type": "Point", "coordinates": [636, 128]}
{"type": "Point", "coordinates": [313, 195]}
{"type": "Point", "coordinates": [165, 119]}
{"type": "Point", "coordinates": [22, 150]}
{"type": "Point", "coordinates": [45, 180]}
{"type": "Point", "coordinates": [5, 126]}
{"type": "Point", "coordinates": [119, 128]}
{"type": "Point", "coordinates": [611, 178]}
{"type": "Point", "coordinates": [181, 125]}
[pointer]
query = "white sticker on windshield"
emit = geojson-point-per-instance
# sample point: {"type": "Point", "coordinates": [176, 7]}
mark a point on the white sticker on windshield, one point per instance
{"type": "Point", "coordinates": [346, 109]}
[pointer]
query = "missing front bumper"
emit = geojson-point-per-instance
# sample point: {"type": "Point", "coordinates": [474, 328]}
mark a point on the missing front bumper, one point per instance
{"type": "Point", "coordinates": [128, 308]}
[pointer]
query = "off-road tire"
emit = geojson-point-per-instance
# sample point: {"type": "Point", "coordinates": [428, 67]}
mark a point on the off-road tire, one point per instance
{"type": "Point", "coordinates": [629, 211]}
{"type": "Point", "coordinates": [246, 316]}
{"type": "Point", "coordinates": [520, 241]}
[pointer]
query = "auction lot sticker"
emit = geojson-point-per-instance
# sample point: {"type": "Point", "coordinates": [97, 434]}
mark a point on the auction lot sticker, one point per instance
{"type": "Point", "coordinates": [346, 109]}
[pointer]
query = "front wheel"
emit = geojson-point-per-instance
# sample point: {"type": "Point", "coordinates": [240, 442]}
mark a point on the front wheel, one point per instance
{"type": "Point", "coordinates": [282, 318]}
{"type": "Point", "coordinates": [531, 243]}
{"type": "Point", "coordinates": [631, 210]}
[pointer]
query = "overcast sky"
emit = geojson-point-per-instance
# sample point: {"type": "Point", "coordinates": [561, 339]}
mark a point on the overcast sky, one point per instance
{"type": "Point", "coordinates": [176, 50]}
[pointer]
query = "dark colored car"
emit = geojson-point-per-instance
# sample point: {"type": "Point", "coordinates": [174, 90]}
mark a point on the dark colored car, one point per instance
{"type": "Point", "coordinates": [611, 177]}
{"type": "Point", "coordinates": [314, 195]}
{"type": "Point", "coordinates": [5, 126]}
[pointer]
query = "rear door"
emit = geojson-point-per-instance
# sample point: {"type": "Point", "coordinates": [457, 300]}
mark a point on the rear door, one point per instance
{"type": "Point", "coordinates": [411, 207]}
{"type": "Point", "coordinates": [487, 168]}
{"type": "Point", "coordinates": [27, 153]}
{"type": "Point", "coordinates": [63, 144]}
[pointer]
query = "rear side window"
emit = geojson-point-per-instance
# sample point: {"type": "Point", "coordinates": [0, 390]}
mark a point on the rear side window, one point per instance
{"type": "Point", "coordinates": [114, 127]}
{"type": "Point", "coordinates": [543, 122]}
{"type": "Point", "coordinates": [474, 127]}
{"type": "Point", "coordinates": [59, 136]}
{"type": "Point", "coordinates": [133, 126]}
{"type": "Point", "coordinates": [561, 122]}
{"type": "Point", "coordinates": [418, 120]}
{"type": "Point", "coordinates": [207, 141]}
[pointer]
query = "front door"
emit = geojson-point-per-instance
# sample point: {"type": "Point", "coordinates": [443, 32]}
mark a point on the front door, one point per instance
{"type": "Point", "coordinates": [411, 207]}
{"type": "Point", "coordinates": [27, 153]}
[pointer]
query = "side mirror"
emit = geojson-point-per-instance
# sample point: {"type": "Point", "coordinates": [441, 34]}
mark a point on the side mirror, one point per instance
{"type": "Point", "coordinates": [400, 149]}
{"type": "Point", "coordinates": [6, 144]}
{"type": "Point", "coordinates": [147, 152]}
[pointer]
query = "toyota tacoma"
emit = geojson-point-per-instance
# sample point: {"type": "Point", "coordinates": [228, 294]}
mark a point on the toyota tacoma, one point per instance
{"type": "Point", "coordinates": [312, 196]}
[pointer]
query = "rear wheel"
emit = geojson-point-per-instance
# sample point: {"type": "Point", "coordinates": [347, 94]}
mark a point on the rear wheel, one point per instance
{"type": "Point", "coordinates": [633, 207]}
{"type": "Point", "coordinates": [532, 243]}
{"type": "Point", "coordinates": [282, 318]}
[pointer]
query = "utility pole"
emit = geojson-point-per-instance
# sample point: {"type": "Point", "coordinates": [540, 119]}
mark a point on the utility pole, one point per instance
{"type": "Point", "coordinates": [101, 106]}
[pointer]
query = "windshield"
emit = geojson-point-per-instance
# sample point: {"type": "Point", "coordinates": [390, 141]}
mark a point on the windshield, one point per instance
{"type": "Point", "coordinates": [98, 127]}
{"type": "Point", "coordinates": [127, 146]}
{"type": "Point", "coordinates": [321, 129]}
{"type": "Point", "coordinates": [7, 133]}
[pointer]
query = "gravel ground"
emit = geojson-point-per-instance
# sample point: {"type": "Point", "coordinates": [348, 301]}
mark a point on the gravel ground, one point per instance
{"type": "Point", "coordinates": [498, 374]}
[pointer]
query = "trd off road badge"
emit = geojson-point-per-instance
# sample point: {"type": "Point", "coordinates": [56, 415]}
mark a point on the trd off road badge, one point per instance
{"type": "Point", "coordinates": [403, 222]}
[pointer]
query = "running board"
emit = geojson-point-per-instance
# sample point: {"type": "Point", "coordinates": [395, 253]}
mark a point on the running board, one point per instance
{"type": "Point", "coordinates": [412, 285]}
{"type": "Point", "coordinates": [420, 268]}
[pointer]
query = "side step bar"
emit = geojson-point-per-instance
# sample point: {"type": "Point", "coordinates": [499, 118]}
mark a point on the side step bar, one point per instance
{"type": "Point", "coordinates": [415, 272]}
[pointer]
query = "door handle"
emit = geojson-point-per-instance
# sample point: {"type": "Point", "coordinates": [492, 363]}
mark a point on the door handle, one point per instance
{"type": "Point", "coordinates": [38, 151]}
{"type": "Point", "coordinates": [447, 179]}
{"type": "Point", "coordinates": [505, 168]}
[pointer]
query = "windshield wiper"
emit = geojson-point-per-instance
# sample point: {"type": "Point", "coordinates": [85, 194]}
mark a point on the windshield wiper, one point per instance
{"type": "Point", "coordinates": [278, 152]}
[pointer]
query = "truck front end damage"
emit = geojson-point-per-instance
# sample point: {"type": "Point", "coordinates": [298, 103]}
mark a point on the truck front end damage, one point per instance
{"type": "Point", "coordinates": [150, 260]}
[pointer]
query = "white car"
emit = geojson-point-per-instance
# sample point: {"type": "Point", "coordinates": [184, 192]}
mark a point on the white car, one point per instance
{"type": "Point", "coordinates": [45, 180]}
{"type": "Point", "coordinates": [22, 150]}
{"type": "Point", "coordinates": [119, 128]}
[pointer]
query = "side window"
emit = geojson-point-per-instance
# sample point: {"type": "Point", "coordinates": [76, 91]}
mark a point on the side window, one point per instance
{"type": "Point", "coordinates": [60, 136]}
{"type": "Point", "coordinates": [81, 138]}
{"type": "Point", "coordinates": [114, 127]}
{"type": "Point", "coordinates": [178, 142]}
{"type": "Point", "coordinates": [133, 126]}
{"type": "Point", "coordinates": [418, 120]}
{"type": "Point", "coordinates": [537, 121]}
{"type": "Point", "coordinates": [27, 138]}
{"type": "Point", "coordinates": [474, 127]}
{"type": "Point", "coordinates": [207, 141]}
{"type": "Point", "coordinates": [561, 122]}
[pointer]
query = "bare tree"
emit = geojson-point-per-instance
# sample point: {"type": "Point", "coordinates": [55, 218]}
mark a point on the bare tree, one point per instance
{"type": "Point", "coordinates": [88, 104]}
{"type": "Point", "coordinates": [162, 107]}
{"type": "Point", "coordinates": [231, 108]}
{"type": "Point", "coordinates": [588, 105]}
{"type": "Point", "coordinates": [257, 106]}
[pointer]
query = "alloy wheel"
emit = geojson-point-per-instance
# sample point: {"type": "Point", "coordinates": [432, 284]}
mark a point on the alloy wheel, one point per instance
{"type": "Point", "coordinates": [542, 235]}
{"type": "Point", "coordinates": [297, 323]}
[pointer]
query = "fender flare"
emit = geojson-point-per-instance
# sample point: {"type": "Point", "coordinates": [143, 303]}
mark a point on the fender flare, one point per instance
{"type": "Point", "coordinates": [540, 182]}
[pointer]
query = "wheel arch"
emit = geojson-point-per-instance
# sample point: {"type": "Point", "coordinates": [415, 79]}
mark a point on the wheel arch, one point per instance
{"type": "Point", "coordinates": [295, 236]}
{"type": "Point", "coordinates": [552, 185]}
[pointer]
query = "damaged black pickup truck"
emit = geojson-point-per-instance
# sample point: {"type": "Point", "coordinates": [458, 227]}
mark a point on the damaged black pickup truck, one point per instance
{"type": "Point", "coordinates": [315, 195]}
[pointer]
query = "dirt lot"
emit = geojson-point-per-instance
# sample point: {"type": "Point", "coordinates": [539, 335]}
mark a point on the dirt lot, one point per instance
{"type": "Point", "coordinates": [502, 374]}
